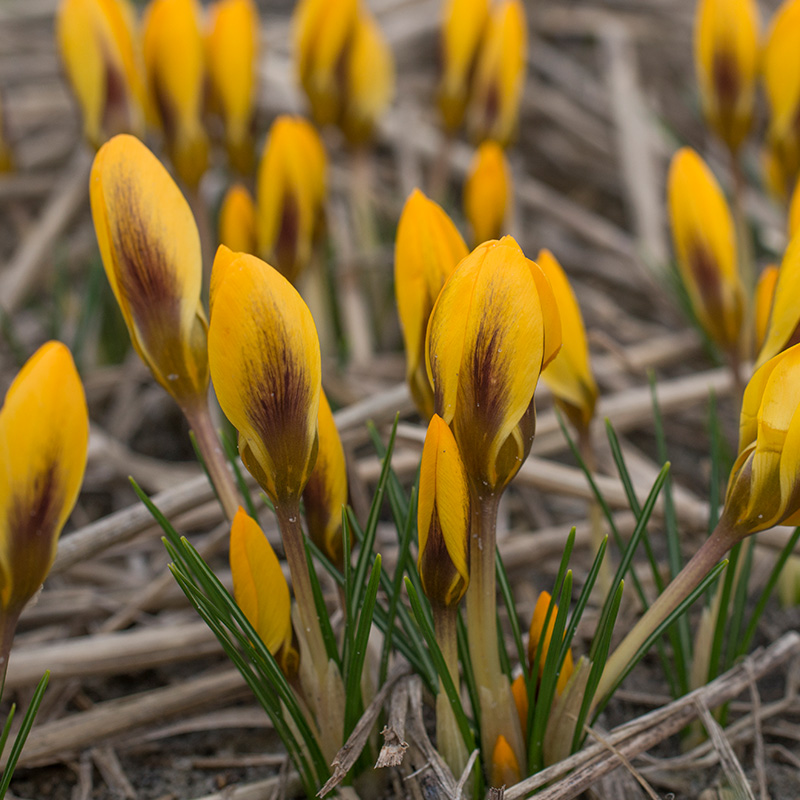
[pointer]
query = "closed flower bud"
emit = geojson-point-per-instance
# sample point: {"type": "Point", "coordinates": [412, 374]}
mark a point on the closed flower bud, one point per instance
{"type": "Point", "coordinates": [705, 247]}
{"type": "Point", "coordinates": [265, 363]}
{"type": "Point", "coordinates": [569, 375]}
{"type": "Point", "coordinates": [322, 34]}
{"type": "Point", "coordinates": [151, 252]}
{"type": "Point", "coordinates": [487, 192]}
{"type": "Point", "coordinates": [326, 490]}
{"type": "Point", "coordinates": [232, 54]}
{"type": "Point", "coordinates": [781, 70]}
{"type": "Point", "coordinates": [765, 295]}
{"type": "Point", "coordinates": [44, 436]}
{"type": "Point", "coordinates": [520, 692]}
{"type": "Point", "coordinates": [290, 195]}
{"type": "Point", "coordinates": [726, 60]}
{"type": "Point", "coordinates": [443, 518]}
{"type": "Point", "coordinates": [370, 80]}
{"type": "Point", "coordinates": [537, 637]}
{"type": "Point", "coordinates": [463, 26]}
{"type": "Point", "coordinates": [494, 327]}
{"type": "Point", "coordinates": [174, 59]}
{"type": "Point", "coordinates": [101, 59]}
{"type": "Point", "coordinates": [505, 769]}
{"type": "Point", "coordinates": [499, 75]}
{"type": "Point", "coordinates": [237, 220]}
{"type": "Point", "coordinates": [764, 485]}
{"type": "Point", "coordinates": [427, 248]}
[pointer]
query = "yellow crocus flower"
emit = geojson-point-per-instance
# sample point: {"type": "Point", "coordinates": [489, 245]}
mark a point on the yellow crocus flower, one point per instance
{"type": "Point", "coordinates": [443, 518]}
{"type": "Point", "coordinates": [232, 55]}
{"type": "Point", "coordinates": [536, 638]}
{"type": "Point", "coordinates": [290, 194]}
{"type": "Point", "coordinates": [265, 363]}
{"type": "Point", "coordinates": [427, 248]}
{"type": "Point", "coordinates": [499, 75]}
{"type": "Point", "coordinates": [174, 59]}
{"type": "Point", "coordinates": [487, 192]}
{"type": "Point", "coordinates": [99, 50]}
{"type": "Point", "coordinates": [44, 437]}
{"type": "Point", "coordinates": [463, 25]}
{"type": "Point", "coordinates": [765, 295]}
{"type": "Point", "coordinates": [151, 253]}
{"type": "Point", "coordinates": [705, 247]}
{"type": "Point", "coordinates": [237, 220]}
{"type": "Point", "coordinates": [569, 375]}
{"type": "Point", "coordinates": [326, 491]}
{"type": "Point", "coordinates": [726, 60]}
{"type": "Point", "coordinates": [494, 327]}
{"type": "Point", "coordinates": [505, 769]}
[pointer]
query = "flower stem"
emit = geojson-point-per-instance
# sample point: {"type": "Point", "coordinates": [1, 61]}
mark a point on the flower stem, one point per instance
{"type": "Point", "coordinates": [703, 561]}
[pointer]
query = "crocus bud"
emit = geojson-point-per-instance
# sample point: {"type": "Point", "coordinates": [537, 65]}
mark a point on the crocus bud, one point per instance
{"type": "Point", "coordinates": [265, 363]}
{"type": "Point", "coordinates": [232, 55]}
{"type": "Point", "coordinates": [499, 75]}
{"type": "Point", "coordinates": [326, 491]}
{"type": "Point", "coordinates": [370, 79]}
{"type": "Point", "coordinates": [44, 437]}
{"type": "Point", "coordinates": [569, 376]}
{"type": "Point", "coordinates": [443, 518]}
{"type": "Point", "coordinates": [427, 248]}
{"type": "Point", "coordinates": [781, 70]}
{"type": "Point", "coordinates": [705, 247]}
{"type": "Point", "coordinates": [764, 485]}
{"type": "Point", "coordinates": [290, 194]}
{"type": "Point", "coordinates": [765, 295]}
{"type": "Point", "coordinates": [783, 328]}
{"type": "Point", "coordinates": [505, 769]}
{"type": "Point", "coordinates": [261, 590]}
{"type": "Point", "coordinates": [151, 253]}
{"type": "Point", "coordinates": [726, 61]}
{"type": "Point", "coordinates": [237, 220]}
{"type": "Point", "coordinates": [101, 59]}
{"type": "Point", "coordinates": [322, 34]}
{"type": "Point", "coordinates": [537, 637]}
{"type": "Point", "coordinates": [520, 692]}
{"type": "Point", "coordinates": [463, 25]}
{"type": "Point", "coordinates": [174, 59]}
{"type": "Point", "coordinates": [494, 327]}
{"type": "Point", "coordinates": [487, 192]}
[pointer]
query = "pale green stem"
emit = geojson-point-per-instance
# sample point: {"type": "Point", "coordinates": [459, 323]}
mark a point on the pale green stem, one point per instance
{"type": "Point", "coordinates": [703, 561]}
{"type": "Point", "coordinates": [8, 626]}
{"type": "Point", "coordinates": [498, 712]}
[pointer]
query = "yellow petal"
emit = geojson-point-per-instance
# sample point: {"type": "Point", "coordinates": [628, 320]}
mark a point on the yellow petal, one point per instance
{"type": "Point", "coordinates": [151, 252]}
{"type": "Point", "coordinates": [259, 585]}
{"type": "Point", "coordinates": [463, 25]}
{"type": "Point", "coordinates": [237, 220]}
{"type": "Point", "coordinates": [326, 491]}
{"type": "Point", "coordinates": [443, 518]}
{"type": "Point", "coordinates": [290, 194]}
{"type": "Point", "coordinates": [101, 59]}
{"type": "Point", "coordinates": [505, 769]}
{"type": "Point", "coordinates": [44, 436]}
{"type": "Point", "coordinates": [705, 247]}
{"type": "Point", "coordinates": [726, 60]}
{"type": "Point", "coordinates": [765, 294]}
{"type": "Point", "coordinates": [499, 74]}
{"type": "Point", "coordinates": [569, 376]}
{"type": "Point", "coordinates": [520, 692]}
{"type": "Point", "coordinates": [265, 363]}
{"type": "Point", "coordinates": [427, 248]}
{"type": "Point", "coordinates": [487, 191]}
{"type": "Point", "coordinates": [232, 51]}
{"type": "Point", "coordinates": [174, 59]}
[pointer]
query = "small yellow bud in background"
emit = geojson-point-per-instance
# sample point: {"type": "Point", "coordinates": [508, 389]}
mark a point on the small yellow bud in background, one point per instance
{"type": "Point", "coordinates": [499, 75]}
{"type": "Point", "coordinates": [151, 253]}
{"type": "Point", "coordinates": [487, 192]}
{"type": "Point", "coordinates": [6, 156]}
{"type": "Point", "coordinates": [765, 295]}
{"type": "Point", "coordinates": [428, 247]}
{"type": "Point", "coordinates": [232, 55]}
{"type": "Point", "coordinates": [726, 61]}
{"type": "Point", "coordinates": [443, 518]}
{"type": "Point", "coordinates": [505, 767]}
{"type": "Point", "coordinates": [520, 692]}
{"type": "Point", "coordinates": [537, 637]}
{"type": "Point", "coordinates": [463, 25]}
{"type": "Point", "coordinates": [237, 220]}
{"type": "Point", "coordinates": [290, 194]}
{"type": "Point", "coordinates": [705, 247]}
{"type": "Point", "coordinates": [174, 59]}
{"type": "Point", "coordinates": [100, 53]}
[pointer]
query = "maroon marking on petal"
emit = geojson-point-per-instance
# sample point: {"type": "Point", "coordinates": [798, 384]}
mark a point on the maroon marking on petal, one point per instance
{"type": "Point", "coordinates": [286, 245]}
{"type": "Point", "coordinates": [706, 272]}
{"type": "Point", "coordinates": [116, 108]}
{"type": "Point", "coordinates": [441, 581]}
{"type": "Point", "coordinates": [726, 80]}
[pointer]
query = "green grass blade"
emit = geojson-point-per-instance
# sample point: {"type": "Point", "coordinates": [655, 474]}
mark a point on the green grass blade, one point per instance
{"type": "Point", "coordinates": [721, 622]}
{"type": "Point", "coordinates": [508, 598]}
